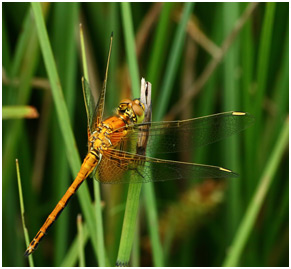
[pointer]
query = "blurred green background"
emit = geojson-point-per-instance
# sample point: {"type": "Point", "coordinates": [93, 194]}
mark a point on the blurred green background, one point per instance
{"type": "Point", "coordinates": [201, 59]}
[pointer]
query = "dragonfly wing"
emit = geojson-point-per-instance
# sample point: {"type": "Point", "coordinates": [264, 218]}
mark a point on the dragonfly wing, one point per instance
{"type": "Point", "coordinates": [89, 103]}
{"type": "Point", "coordinates": [123, 167]}
{"type": "Point", "coordinates": [98, 113]}
{"type": "Point", "coordinates": [176, 136]}
{"type": "Point", "coordinates": [109, 171]}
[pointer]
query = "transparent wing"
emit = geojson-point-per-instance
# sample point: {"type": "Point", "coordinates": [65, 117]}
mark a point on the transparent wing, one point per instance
{"type": "Point", "coordinates": [98, 113]}
{"type": "Point", "coordinates": [95, 112]}
{"type": "Point", "coordinates": [175, 136]}
{"type": "Point", "coordinates": [103, 170]}
{"type": "Point", "coordinates": [122, 167]}
{"type": "Point", "coordinates": [89, 102]}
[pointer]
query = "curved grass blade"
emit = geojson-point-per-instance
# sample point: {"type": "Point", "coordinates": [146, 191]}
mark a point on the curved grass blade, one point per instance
{"type": "Point", "coordinates": [65, 48]}
{"type": "Point", "coordinates": [248, 221]}
{"type": "Point", "coordinates": [64, 120]}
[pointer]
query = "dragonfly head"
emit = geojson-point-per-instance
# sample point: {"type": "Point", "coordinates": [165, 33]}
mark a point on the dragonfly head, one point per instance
{"type": "Point", "coordinates": [132, 109]}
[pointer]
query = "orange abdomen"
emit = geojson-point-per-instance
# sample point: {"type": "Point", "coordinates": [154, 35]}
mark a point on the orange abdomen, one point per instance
{"type": "Point", "coordinates": [87, 167]}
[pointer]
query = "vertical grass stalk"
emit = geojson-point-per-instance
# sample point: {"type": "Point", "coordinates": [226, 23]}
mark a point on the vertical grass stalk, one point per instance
{"type": "Point", "coordinates": [231, 102]}
{"type": "Point", "coordinates": [129, 224]}
{"type": "Point", "coordinates": [132, 203]}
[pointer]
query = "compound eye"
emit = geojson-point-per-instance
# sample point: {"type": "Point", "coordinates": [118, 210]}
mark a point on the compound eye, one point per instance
{"type": "Point", "coordinates": [136, 101]}
{"type": "Point", "coordinates": [138, 110]}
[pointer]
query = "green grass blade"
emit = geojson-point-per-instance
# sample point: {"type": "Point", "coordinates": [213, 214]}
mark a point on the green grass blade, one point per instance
{"type": "Point", "coordinates": [6, 53]}
{"type": "Point", "coordinates": [66, 17]}
{"type": "Point", "coordinates": [20, 50]}
{"type": "Point", "coordinates": [246, 225]}
{"type": "Point", "coordinates": [158, 54]}
{"type": "Point", "coordinates": [135, 261]}
{"type": "Point", "coordinates": [130, 48]}
{"type": "Point", "coordinates": [247, 59]}
{"type": "Point", "coordinates": [262, 74]}
{"type": "Point", "coordinates": [172, 65]}
{"type": "Point", "coordinates": [281, 90]}
{"type": "Point", "coordinates": [19, 112]}
{"type": "Point", "coordinates": [25, 231]}
{"type": "Point", "coordinates": [99, 227]}
{"type": "Point", "coordinates": [83, 51]}
{"type": "Point", "coordinates": [153, 224]}
{"type": "Point", "coordinates": [112, 86]}
{"type": "Point", "coordinates": [80, 241]}
{"type": "Point", "coordinates": [61, 108]}
{"type": "Point", "coordinates": [278, 223]}
{"type": "Point", "coordinates": [263, 58]}
{"type": "Point", "coordinates": [207, 101]}
{"type": "Point", "coordinates": [71, 257]}
{"type": "Point", "coordinates": [64, 121]}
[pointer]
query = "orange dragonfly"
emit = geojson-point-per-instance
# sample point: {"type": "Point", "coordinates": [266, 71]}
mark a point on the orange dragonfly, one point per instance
{"type": "Point", "coordinates": [112, 158]}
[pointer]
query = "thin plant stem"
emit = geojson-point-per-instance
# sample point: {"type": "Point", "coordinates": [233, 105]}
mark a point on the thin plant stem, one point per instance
{"type": "Point", "coordinates": [25, 231]}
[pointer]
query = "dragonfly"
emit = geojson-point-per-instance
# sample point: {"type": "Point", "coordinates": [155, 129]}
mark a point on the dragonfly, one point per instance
{"type": "Point", "coordinates": [113, 156]}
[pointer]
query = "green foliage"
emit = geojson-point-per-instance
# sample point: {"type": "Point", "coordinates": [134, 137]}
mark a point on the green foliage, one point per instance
{"type": "Point", "coordinates": [251, 73]}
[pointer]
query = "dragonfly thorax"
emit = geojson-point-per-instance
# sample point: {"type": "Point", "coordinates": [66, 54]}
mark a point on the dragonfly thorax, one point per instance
{"type": "Point", "coordinates": [100, 140]}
